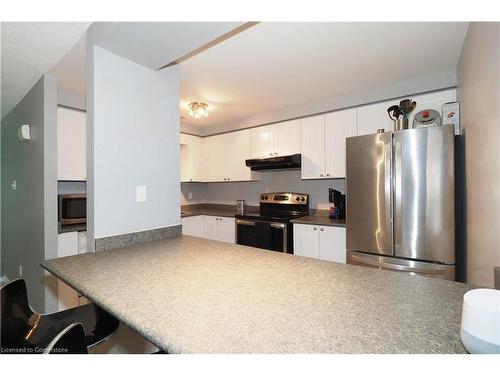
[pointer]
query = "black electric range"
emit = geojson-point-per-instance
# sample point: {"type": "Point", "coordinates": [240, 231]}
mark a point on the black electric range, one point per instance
{"type": "Point", "coordinates": [271, 228]}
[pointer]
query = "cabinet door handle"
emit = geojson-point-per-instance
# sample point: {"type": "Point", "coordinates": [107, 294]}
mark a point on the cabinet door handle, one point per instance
{"type": "Point", "coordinates": [321, 175]}
{"type": "Point", "coordinates": [228, 178]}
{"type": "Point", "coordinates": [322, 229]}
{"type": "Point", "coordinates": [315, 228]}
{"type": "Point", "coordinates": [327, 175]}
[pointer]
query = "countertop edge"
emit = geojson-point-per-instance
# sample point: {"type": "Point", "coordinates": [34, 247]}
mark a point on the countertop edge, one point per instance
{"type": "Point", "coordinates": [116, 314]}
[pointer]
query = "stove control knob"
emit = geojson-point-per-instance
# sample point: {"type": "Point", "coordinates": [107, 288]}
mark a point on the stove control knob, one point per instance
{"type": "Point", "coordinates": [297, 199]}
{"type": "Point", "coordinates": [262, 197]}
{"type": "Point", "coordinates": [302, 199]}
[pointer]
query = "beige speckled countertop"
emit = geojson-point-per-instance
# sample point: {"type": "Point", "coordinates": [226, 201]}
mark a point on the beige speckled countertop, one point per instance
{"type": "Point", "coordinates": [192, 295]}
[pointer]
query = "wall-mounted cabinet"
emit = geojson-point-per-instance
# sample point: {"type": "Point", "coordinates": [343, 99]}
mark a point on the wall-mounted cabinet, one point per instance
{"type": "Point", "coordinates": [320, 139]}
{"type": "Point", "coordinates": [374, 116]}
{"type": "Point", "coordinates": [276, 140]}
{"type": "Point", "coordinates": [320, 242]}
{"type": "Point", "coordinates": [323, 143]}
{"type": "Point", "coordinates": [224, 157]}
{"type": "Point", "coordinates": [191, 158]}
{"type": "Point", "coordinates": [71, 145]}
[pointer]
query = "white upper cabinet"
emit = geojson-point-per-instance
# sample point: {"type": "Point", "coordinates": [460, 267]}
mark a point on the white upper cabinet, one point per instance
{"type": "Point", "coordinates": [225, 157]}
{"type": "Point", "coordinates": [214, 158]}
{"type": "Point", "coordinates": [374, 116]}
{"type": "Point", "coordinates": [338, 126]}
{"type": "Point", "coordinates": [286, 138]}
{"type": "Point", "coordinates": [276, 140]}
{"type": "Point", "coordinates": [236, 150]}
{"type": "Point", "coordinates": [71, 145]}
{"type": "Point", "coordinates": [262, 142]}
{"type": "Point", "coordinates": [312, 138]}
{"type": "Point", "coordinates": [191, 158]}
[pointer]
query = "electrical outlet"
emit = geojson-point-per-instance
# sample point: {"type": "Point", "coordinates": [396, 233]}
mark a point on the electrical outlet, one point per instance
{"type": "Point", "coordinates": [20, 270]}
{"type": "Point", "coordinates": [140, 194]}
{"type": "Point", "coordinates": [190, 196]}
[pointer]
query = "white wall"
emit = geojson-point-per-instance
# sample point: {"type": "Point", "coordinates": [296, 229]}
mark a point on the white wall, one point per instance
{"type": "Point", "coordinates": [229, 192]}
{"type": "Point", "coordinates": [133, 124]}
{"type": "Point", "coordinates": [479, 96]}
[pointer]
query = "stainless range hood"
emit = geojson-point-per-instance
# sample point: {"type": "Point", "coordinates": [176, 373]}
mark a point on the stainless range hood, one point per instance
{"type": "Point", "coordinates": [274, 163]}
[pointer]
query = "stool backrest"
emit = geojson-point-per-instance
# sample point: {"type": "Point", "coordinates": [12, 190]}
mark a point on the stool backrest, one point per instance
{"type": "Point", "coordinates": [17, 317]}
{"type": "Point", "coordinates": [70, 340]}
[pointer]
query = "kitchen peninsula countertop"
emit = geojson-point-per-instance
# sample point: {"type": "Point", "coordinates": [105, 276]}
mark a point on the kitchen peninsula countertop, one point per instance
{"type": "Point", "coordinates": [192, 295]}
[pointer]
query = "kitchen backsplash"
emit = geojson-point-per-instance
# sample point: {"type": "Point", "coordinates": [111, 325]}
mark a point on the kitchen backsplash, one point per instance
{"type": "Point", "coordinates": [229, 192]}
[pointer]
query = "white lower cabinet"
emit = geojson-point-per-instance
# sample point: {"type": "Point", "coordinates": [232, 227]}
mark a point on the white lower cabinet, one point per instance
{"type": "Point", "coordinates": [210, 227]}
{"type": "Point", "coordinates": [70, 243]}
{"type": "Point", "coordinates": [192, 226]}
{"type": "Point", "coordinates": [320, 242]}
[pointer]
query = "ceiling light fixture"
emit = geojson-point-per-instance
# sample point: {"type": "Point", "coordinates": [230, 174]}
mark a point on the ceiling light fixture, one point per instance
{"type": "Point", "coordinates": [198, 109]}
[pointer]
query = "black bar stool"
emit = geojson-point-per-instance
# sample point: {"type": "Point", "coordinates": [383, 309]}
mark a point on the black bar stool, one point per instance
{"type": "Point", "coordinates": [70, 340]}
{"type": "Point", "coordinates": [21, 327]}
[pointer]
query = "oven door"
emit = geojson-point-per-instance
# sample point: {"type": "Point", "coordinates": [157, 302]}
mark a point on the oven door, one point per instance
{"type": "Point", "coordinates": [267, 235]}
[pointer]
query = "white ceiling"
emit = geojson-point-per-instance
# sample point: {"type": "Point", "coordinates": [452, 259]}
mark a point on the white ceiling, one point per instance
{"type": "Point", "coordinates": [152, 44]}
{"type": "Point", "coordinates": [156, 44]}
{"type": "Point", "coordinates": [29, 50]}
{"type": "Point", "coordinates": [70, 71]}
{"type": "Point", "coordinates": [277, 65]}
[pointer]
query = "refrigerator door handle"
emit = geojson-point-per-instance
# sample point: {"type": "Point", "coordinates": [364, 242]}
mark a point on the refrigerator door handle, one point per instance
{"type": "Point", "coordinates": [397, 230]}
{"type": "Point", "coordinates": [396, 267]}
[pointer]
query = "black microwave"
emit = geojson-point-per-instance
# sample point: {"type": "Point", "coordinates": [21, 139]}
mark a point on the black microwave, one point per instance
{"type": "Point", "coordinates": [72, 209]}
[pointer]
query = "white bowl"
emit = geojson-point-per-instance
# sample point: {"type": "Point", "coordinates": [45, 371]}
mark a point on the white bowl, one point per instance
{"type": "Point", "coordinates": [480, 329]}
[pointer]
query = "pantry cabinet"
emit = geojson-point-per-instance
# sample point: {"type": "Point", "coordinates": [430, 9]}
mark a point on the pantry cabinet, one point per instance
{"type": "Point", "coordinates": [320, 242]}
{"type": "Point", "coordinates": [210, 227]}
{"type": "Point", "coordinates": [71, 145]}
{"type": "Point", "coordinates": [276, 140]}
{"type": "Point", "coordinates": [323, 143]}
{"type": "Point", "coordinates": [191, 158]}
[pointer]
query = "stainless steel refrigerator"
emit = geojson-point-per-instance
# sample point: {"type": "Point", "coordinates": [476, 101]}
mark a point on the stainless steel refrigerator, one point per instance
{"type": "Point", "coordinates": [400, 201]}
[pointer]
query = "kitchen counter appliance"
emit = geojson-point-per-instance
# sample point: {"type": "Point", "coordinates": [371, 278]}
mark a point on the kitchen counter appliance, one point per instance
{"type": "Point", "coordinates": [72, 209]}
{"type": "Point", "coordinates": [400, 192]}
{"type": "Point", "coordinates": [270, 228]}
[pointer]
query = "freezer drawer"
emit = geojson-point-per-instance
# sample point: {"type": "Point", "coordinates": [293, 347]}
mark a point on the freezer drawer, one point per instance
{"type": "Point", "coordinates": [424, 200]}
{"type": "Point", "coordinates": [368, 193]}
{"type": "Point", "coordinates": [440, 271]}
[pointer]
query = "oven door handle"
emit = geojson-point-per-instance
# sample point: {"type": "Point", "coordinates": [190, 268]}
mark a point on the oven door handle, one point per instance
{"type": "Point", "coordinates": [245, 222]}
{"type": "Point", "coordinates": [278, 225]}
